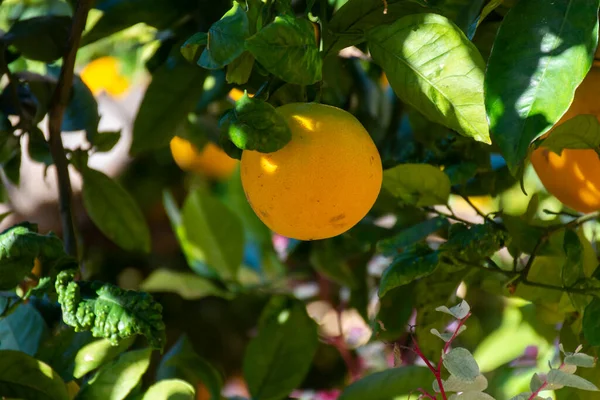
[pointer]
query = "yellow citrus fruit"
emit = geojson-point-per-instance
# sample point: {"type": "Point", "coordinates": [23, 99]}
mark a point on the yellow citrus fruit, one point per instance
{"type": "Point", "coordinates": [320, 184]}
{"type": "Point", "coordinates": [211, 161]}
{"type": "Point", "coordinates": [104, 74]}
{"type": "Point", "coordinates": [574, 176]}
{"type": "Point", "coordinates": [236, 94]}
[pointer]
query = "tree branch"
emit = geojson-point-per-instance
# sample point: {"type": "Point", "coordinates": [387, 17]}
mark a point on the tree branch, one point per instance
{"type": "Point", "coordinates": [59, 103]}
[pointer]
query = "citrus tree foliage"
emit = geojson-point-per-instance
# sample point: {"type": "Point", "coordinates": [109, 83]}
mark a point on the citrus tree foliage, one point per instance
{"type": "Point", "coordinates": [458, 283]}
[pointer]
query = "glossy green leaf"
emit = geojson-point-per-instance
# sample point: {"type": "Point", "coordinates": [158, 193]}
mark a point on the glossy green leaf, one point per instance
{"type": "Point", "coordinates": [411, 235]}
{"type": "Point", "coordinates": [558, 377]}
{"type": "Point", "coordinates": [287, 49]}
{"type": "Point", "coordinates": [408, 266]}
{"type": "Point", "coordinates": [579, 132]}
{"type": "Point", "coordinates": [215, 231]}
{"type": "Point", "coordinates": [82, 111]}
{"type": "Point", "coordinates": [59, 351]}
{"type": "Point", "coordinates": [279, 357]}
{"type": "Point", "coordinates": [254, 124]}
{"type": "Point", "coordinates": [116, 379]}
{"type": "Point", "coordinates": [188, 285]}
{"type": "Point", "coordinates": [182, 362]}
{"type": "Point", "coordinates": [22, 330]}
{"type": "Point", "coordinates": [432, 66]}
{"type": "Point", "coordinates": [542, 52]}
{"type": "Point", "coordinates": [190, 49]}
{"type": "Point", "coordinates": [114, 211]}
{"type": "Point", "coordinates": [464, 13]}
{"type": "Point", "coordinates": [388, 384]}
{"type": "Point", "coordinates": [226, 39]}
{"type": "Point", "coordinates": [591, 322]}
{"type": "Point", "coordinates": [175, 88]}
{"type": "Point", "coordinates": [171, 389]}
{"type": "Point", "coordinates": [97, 353]}
{"type": "Point", "coordinates": [417, 184]}
{"type": "Point", "coordinates": [22, 376]}
{"type": "Point", "coordinates": [349, 24]}
{"type": "Point", "coordinates": [105, 141]}
{"type": "Point", "coordinates": [40, 38]}
{"type": "Point", "coordinates": [239, 70]}
{"type": "Point", "coordinates": [193, 254]}
{"type": "Point", "coordinates": [460, 363]}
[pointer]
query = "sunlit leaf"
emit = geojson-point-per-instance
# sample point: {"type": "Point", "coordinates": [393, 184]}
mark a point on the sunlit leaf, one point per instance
{"type": "Point", "coordinates": [417, 184]}
{"type": "Point", "coordinates": [579, 132]}
{"type": "Point", "coordinates": [460, 363]}
{"type": "Point", "coordinates": [172, 389]}
{"type": "Point", "coordinates": [558, 377]}
{"type": "Point", "coordinates": [97, 353]}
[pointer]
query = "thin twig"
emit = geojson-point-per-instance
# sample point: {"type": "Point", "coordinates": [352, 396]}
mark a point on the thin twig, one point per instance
{"type": "Point", "coordinates": [449, 216]}
{"type": "Point", "coordinates": [59, 103]}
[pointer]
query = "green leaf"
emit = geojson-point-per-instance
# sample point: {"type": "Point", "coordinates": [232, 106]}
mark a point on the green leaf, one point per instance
{"type": "Point", "coordinates": [541, 54]}
{"type": "Point", "coordinates": [460, 363]}
{"type": "Point", "coordinates": [432, 66]}
{"type": "Point", "coordinates": [447, 336]}
{"type": "Point", "coordinates": [182, 362]}
{"type": "Point", "coordinates": [572, 269]}
{"type": "Point", "coordinates": [19, 246]}
{"type": "Point", "coordinates": [82, 111]}
{"type": "Point", "coordinates": [350, 23]}
{"type": "Point", "coordinates": [37, 147]}
{"type": "Point", "coordinates": [108, 311]}
{"type": "Point", "coordinates": [411, 235]}
{"type": "Point", "coordinates": [416, 262]}
{"type": "Point", "coordinates": [417, 184]}
{"type": "Point", "coordinates": [536, 383]}
{"type": "Point", "coordinates": [226, 39]}
{"type": "Point", "coordinates": [115, 380]}
{"type": "Point", "coordinates": [114, 211]}
{"type": "Point", "coordinates": [328, 258]}
{"type": "Point", "coordinates": [579, 132]}
{"type": "Point", "coordinates": [240, 69]}
{"type": "Point", "coordinates": [279, 357]}
{"type": "Point", "coordinates": [580, 360]}
{"type": "Point", "coordinates": [97, 353]}
{"type": "Point", "coordinates": [454, 384]}
{"type": "Point", "coordinates": [22, 376]}
{"type": "Point", "coordinates": [215, 231]}
{"type": "Point", "coordinates": [459, 311]}
{"type": "Point", "coordinates": [104, 142]}
{"type": "Point", "coordinates": [120, 14]}
{"type": "Point", "coordinates": [474, 243]}
{"type": "Point", "coordinates": [558, 377]}
{"type": "Point", "coordinates": [172, 389]}
{"type": "Point", "coordinates": [40, 38]}
{"type": "Point", "coordinates": [388, 384]}
{"type": "Point", "coordinates": [254, 124]}
{"type": "Point", "coordinates": [591, 322]}
{"type": "Point", "coordinates": [175, 88]}
{"type": "Point", "coordinates": [188, 285]}
{"type": "Point", "coordinates": [60, 349]}
{"type": "Point", "coordinates": [190, 49]}
{"type": "Point", "coordinates": [22, 330]}
{"type": "Point", "coordinates": [395, 309]}
{"type": "Point", "coordinates": [287, 49]}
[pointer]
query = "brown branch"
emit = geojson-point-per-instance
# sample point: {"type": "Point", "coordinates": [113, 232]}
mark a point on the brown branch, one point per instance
{"type": "Point", "coordinates": [59, 103]}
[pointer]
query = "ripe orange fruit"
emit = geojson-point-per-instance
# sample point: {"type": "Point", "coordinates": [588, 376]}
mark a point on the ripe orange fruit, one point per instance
{"type": "Point", "coordinates": [104, 74]}
{"type": "Point", "coordinates": [574, 176]}
{"type": "Point", "coordinates": [320, 184]}
{"type": "Point", "coordinates": [211, 161]}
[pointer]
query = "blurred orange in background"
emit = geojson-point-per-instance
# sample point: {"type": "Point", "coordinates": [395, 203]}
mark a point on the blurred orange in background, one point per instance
{"type": "Point", "coordinates": [104, 75]}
